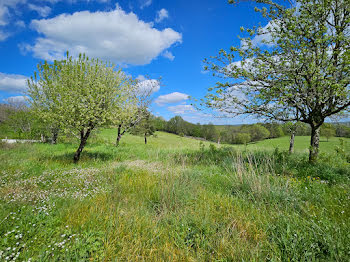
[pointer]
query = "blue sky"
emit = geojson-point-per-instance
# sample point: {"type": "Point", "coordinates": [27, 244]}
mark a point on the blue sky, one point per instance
{"type": "Point", "coordinates": [167, 39]}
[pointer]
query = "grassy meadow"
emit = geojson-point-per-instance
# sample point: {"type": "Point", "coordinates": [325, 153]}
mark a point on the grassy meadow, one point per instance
{"type": "Point", "coordinates": [174, 199]}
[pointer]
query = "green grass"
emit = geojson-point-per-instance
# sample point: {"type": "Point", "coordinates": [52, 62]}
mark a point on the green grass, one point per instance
{"type": "Point", "coordinates": [301, 144]}
{"type": "Point", "coordinates": [173, 200]}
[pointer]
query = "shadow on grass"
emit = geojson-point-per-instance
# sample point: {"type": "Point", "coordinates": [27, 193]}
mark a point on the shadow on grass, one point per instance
{"type": "Point", "coordinates": [85, 156]}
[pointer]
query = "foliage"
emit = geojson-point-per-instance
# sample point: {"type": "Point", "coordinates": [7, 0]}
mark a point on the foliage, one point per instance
{"type": "Point", "coordinates": [145, 128]}
{"type": "Point", "coordinates": [299, 73]}
{"type": "Point", "coordinates": [135, 107]}
{"type": "Point", "coordinates": [275, 129]}
{"type": "Point", "coordinates": [257, 132]}
{"type": "Point", "coordinates": [342, 130]}
{"type": "Point", "coordinates": [243, 138]}
{"type": "Point", "coordinates": [77, 95]}
{"type": "Point", "coordinates": [327, 130]}
{"type": "Point", "coordinates": [343, 150]}
{"type": "Point", "coordinates": [20, 121]}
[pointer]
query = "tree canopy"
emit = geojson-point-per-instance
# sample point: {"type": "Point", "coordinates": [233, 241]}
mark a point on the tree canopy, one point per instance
{"type": "Point", "coordinates": [300, 71]}
{"type": "Point", "coordinates": [78, 95]}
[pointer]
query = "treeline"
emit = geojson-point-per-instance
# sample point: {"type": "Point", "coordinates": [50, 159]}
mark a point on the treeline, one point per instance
{"type": "Point", "coordinates": [17, 120]}
{"type": "Point", "coordinates": [242, 134]}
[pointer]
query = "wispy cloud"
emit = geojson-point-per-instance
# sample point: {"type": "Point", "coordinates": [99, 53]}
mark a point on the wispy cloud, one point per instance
{"type": "Point", "coordinates": [43, 11]}
{"type": "Point", "coordinates": [145, 3]}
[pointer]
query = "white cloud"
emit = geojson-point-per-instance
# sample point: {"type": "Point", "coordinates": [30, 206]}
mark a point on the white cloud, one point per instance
{"type": "Point", "coordinates": [169, 55]}
{"type": "Point", "coordinates": [43, 11]}
{"type": "Point", "coordinates": [171, 98]}
{"type": "Point", "coordinates": [148, 86]}
{"type": "Point", "coordinates": [182, 109]}
{"type": "Point", "coordinates": [16, 99]}
{"type": "Point", "coordinates": [161, 15]}
{"type": "Point", "coordinates": [114, 35]}
{"type": "Point", "coordinates": [12, 83]}
{"type": "Point", "coordinates": [145, 3]}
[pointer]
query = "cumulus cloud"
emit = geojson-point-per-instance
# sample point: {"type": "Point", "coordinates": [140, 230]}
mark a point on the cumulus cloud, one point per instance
{"type": "Point", "coordinates": [148, 86]}
{"type": "Point", "coordinates": [171, 98]}
{"type": "Point", "coordinates": [43, 11]}
{"type": "Point", "coordinates": [112, 35]}
{"type": "Point", "coordinates": [12, 83]}
{"type": "Point", "coordinates": [161, 15]}
{"type": "Point", "coordinates": [182, 109]}
{"type": "Point", "coordinates": [10, 10]}
{"type": "Point", "coordinates": [169, 55]}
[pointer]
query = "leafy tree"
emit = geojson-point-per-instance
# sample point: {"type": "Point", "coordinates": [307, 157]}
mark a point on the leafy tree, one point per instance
{"type": "Point", "coordinates": [342, 130]}
{"type": "Point", "coordinates": [144, 128]}
{"type": "Point", "coordinates": [256, 131]}
{"type": "Point", "coordinates": [22, 123]}
{"type": "Point", "coordinates": [19, 121]}
{"type": "Point", "coordinates": [176, 125]}
{"type": "Point", "coordinates": [303, 74]}
{"type": "Point", "coordinates": [136, 106]}
{"type": "Point", "coordinates": [242, 138]}
{"type": "Point", "coordinates": [159, 123]}
{"type": "Point", "coordinates": [78, 94]}
{"type": "Point", "coordinates": [275, 130]}
{"type": "Point", "coordinates": [209, 132]}
{"type": "Point", "coordinates": [197, 130]}
{"type": "Point", "coordinates": [221, 136]}
{"type": "Point", "coordinates": [328, 131]}
{"type": "Point", "coordinates": [5, 111]}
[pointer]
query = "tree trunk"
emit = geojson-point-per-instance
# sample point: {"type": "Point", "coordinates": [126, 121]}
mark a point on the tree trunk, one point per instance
{"type": "Point", "coordinates": [145, 138]}
{"type": "Point", "coordinates": [119, 135]}
{"type": "Point", "coordinates": [54, 136]}
{"type": "Point", "coordinates": [314, 143]}
{"type": "Point", "coordinates": [83, 139]}
{"type": "Point", "coordinates": [291, 142]}
{"type": "Point", "coordinates": [219, 140]}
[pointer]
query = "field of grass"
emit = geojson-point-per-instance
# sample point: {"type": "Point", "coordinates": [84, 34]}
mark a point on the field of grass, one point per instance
{"type": "Point", "coordinates": [173, 199]}
{"type": "Point", "coordinates": [301, 144]}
